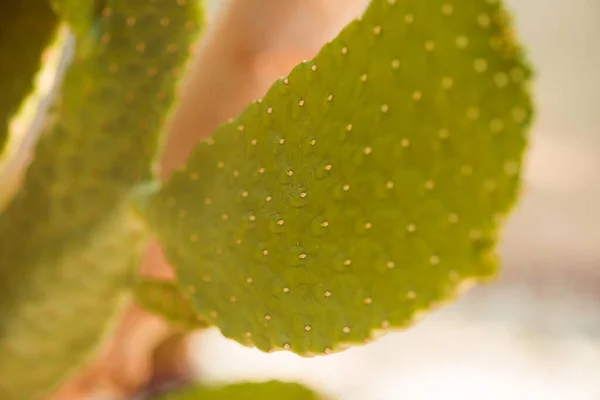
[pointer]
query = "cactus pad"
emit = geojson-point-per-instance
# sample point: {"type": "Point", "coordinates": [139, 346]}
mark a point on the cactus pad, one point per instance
{"type": "Point", "coordinates": [66, 309]}
{"type": "Point", "coordinates": [365, 188]}
{"type": "Point", "coordinates": [78, 14]}
{"type": "Point", "coordinates": [271, 390]}
{"type": "Point", "coordinates": [165, 299]}
{"type": "Point", "coordinates": [66, 245]}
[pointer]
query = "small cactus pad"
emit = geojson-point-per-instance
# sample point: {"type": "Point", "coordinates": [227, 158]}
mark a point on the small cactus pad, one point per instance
{"type": "Point", "coordinates": [66, 246]}
{"type": "Point", "coordinates": [164, 298]}
{"type": "Point", "coordinates": [270, 390]}
{"type": "Point", "coordinates": [27, 27]}
{"type": "Point", "coordinates": [365, 188]}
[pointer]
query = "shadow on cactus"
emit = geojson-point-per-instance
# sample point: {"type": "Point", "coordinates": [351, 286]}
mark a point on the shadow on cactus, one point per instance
{"type": "Point", "coordinates": [364, 189]}
{"type": "Point", "coordinates": [20, 54]}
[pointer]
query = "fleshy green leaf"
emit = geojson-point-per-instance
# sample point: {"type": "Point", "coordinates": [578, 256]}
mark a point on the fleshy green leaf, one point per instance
{"type": "Point", "coordinates": [66, 245]}
{"type": "Point", "coordinates": [364, 189]}
{"type": "Point", "coordinates": [27, 27]}
{"type": "Point", "coordinates": [165, 299]}
{"type": "Point", "coordinates": [271, 390]}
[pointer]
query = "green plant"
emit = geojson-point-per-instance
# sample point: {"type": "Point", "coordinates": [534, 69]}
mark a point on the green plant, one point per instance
{"type": "Point", "coordinates": [245, 391]}
{"type": "Point", "coordinates": [362, 190]}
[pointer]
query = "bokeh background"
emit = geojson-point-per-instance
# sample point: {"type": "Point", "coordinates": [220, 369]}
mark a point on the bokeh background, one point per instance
{"type": "Point", "coordinates": [535, 332]}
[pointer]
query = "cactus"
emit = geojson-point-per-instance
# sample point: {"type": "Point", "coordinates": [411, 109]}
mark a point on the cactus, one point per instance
{"type": "Point", "coordinates": [65, 235]}
{"type": "Point", "coordinates": [245, 391]}
{"type": "Point", "coordinates": [78, 14]}
{"type": "Point", "coordinates": [164, 299]}
{"type": "Point", "coordinates": [364, 189]}
{"type": "Point", "coordinates": [20, 55]}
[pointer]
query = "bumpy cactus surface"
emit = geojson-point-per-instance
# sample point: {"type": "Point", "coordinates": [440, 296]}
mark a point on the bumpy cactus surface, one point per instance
{"type": "Point", "coordinates": [67, 246]}
{"type": "Point", "coordinates": [364, 188]}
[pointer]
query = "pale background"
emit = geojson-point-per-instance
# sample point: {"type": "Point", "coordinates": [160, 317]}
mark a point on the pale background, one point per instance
{"type": "Point", "coordinates": [535, 333]}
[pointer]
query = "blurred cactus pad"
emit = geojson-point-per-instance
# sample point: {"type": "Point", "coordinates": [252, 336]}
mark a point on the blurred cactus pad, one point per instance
{"type": "Point", "coordinates": [270, 390]}
{"type": "Point", "coordinates": [365, 188]}
{"type": "Point", "coordinates": [68, 245]}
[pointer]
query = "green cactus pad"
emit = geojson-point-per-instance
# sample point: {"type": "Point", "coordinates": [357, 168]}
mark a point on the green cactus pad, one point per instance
{"type": "Point", "coordinates": [364, 189]}
{"type": "Point", "coordinates": [67, 308]}
{"type": "Point", "coordinates": [78, 14]}
{"type": "Point", "coordinates": [27, 27]}
{"type": "Point", "coordinates": [65, 223]}
{"type": "Point", "coordinates": [271, 390]}
{"type": "Point", "coordinates": [164, 299]}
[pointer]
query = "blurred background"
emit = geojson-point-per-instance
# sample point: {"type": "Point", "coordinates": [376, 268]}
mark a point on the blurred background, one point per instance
{"type": "Point", "coordinates": [534, 333]}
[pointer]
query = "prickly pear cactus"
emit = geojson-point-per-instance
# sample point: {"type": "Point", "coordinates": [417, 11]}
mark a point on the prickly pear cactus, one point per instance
{"type": "Point", "coordinates": [55, 320]}
{"type": "Point", "coordinates": [68, 246]}
{"type": "Point", "coordinates": [271, 390]}
{"type": "Point", "coordinates": [20, 54]}
{"type": "Point", "coordinates": [78, 14]}
{"type": "Point", "coordinates": [164, 299]}
{"type": "Point", "coordinates": [364, 189]}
